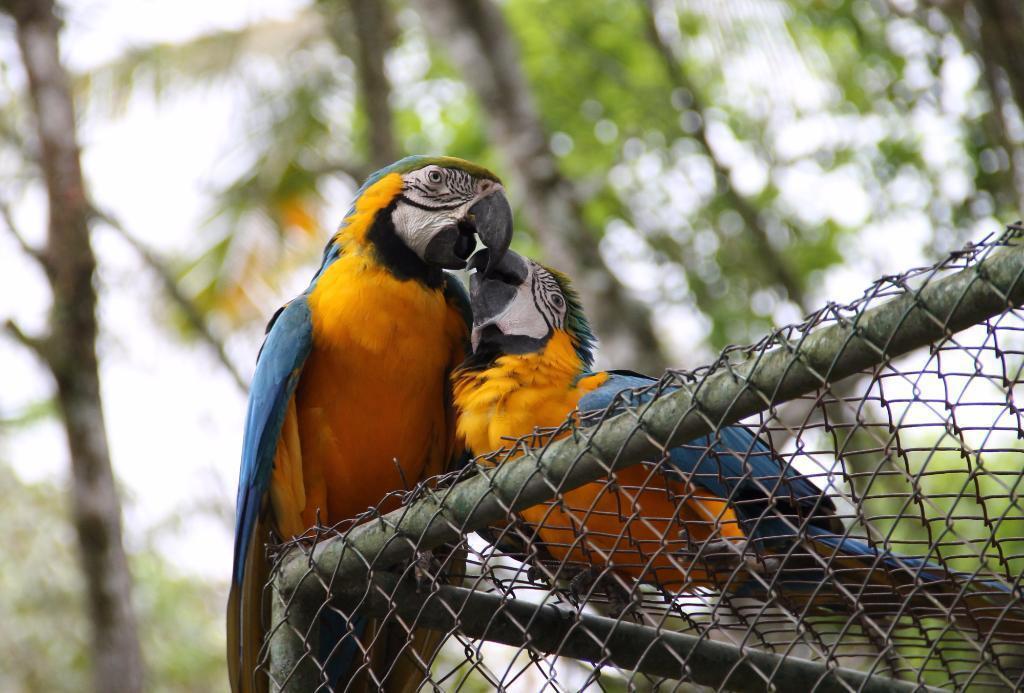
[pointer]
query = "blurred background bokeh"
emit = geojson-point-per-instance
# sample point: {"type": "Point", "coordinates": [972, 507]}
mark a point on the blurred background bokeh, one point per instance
{"type": "Point", "coordinates": [703, 169]}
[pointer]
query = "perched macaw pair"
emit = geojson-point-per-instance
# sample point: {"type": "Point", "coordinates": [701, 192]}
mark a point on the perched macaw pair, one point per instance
{"type": "Point", "coordinates": [353, 399]}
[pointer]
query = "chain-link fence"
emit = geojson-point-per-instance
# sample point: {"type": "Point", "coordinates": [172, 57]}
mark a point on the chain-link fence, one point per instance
{"type": "Point", "coordinates": [900, 569]}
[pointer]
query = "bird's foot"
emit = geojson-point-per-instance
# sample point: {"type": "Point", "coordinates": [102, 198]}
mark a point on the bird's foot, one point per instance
{"type": "Point", "coordinates": [581, 585]}
{"type": "Point", "coordinates": [536, 575]}
{"type": "Point", "coordinates": [728, 555]}
{"type": "Point", "coordinates": [621, 602]}
{"type": "Point", "coordinates": [425, 568]}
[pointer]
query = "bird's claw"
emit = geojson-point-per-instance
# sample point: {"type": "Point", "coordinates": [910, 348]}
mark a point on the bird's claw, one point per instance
{"type": "Point", "coordinates": [730, 554]}
{"type": "Point", "coordinates": [580, 584]}
{"type": "Point", "coordinates": [536, 575]}
{"type": "Point", "coordinates": [621, 602]}
{"type": "Point", "coordinates": [425, 568]}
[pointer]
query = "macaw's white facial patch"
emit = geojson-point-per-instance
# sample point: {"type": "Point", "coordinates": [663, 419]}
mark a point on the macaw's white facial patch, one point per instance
{"type": "Point", "coordinates": [547, 296]}
{"type": "Point", "coordinates": [417, 226]}
{"type": "Point", "coordinates": [433, 198]}
{"type": "Point", "coordinates": [438, 188]}
{"type": "Point", "coordinates": [523, 317]}
{"type": "Point", "coordinates": [537, 308]}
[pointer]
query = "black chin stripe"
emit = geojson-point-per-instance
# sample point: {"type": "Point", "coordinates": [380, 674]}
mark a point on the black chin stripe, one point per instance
{"type": "Point", "coordinates": [543, 288]}
{"type": "Point", "coordinates": [461, 182]}
{"type": "Point", "coordinates": [430, 208]}
{"type": "Point", "coordinates": [396, 256]}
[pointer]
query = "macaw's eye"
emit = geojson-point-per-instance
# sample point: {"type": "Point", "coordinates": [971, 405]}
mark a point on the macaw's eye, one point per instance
{"type": "Point", "coordinates": [558, 301]}
{"type": "Point", "coordinates": [434, 176]}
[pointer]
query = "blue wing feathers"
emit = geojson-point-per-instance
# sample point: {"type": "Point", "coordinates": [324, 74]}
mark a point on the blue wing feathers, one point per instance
{"type": "Point", "coordinates": [732, 463]}
{"type": "Point", "coordinates": [735, 464]}
{"type": "Point", "coordinates": [338, 647]}
{"type": "Point", "coordinates": [278, 369]}
{"type": "Point", "coordinates": [599, 398]}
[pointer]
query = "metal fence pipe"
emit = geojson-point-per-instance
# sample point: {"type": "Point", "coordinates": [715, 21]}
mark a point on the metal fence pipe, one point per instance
{"type": "Point", "coordinates": [628, 646]}
{"type": "Point", "coordinates": [292, 642]}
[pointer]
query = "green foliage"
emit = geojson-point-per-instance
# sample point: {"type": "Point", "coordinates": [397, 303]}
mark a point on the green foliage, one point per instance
{"type": "Point", "coordinates": [30, 414]}
{"type": "Point", "coordinates": [182, 627]}
{"type": "Point", "coordinates": [971, 520]}
{"type": "Point", "coordinates": [986, 487]}
{"type": "Point", "coordinates": [623, 115]}
{"type": "Point", "coordinates": [45, 628]}
{"type": "Point", "coordinates": [213, 57]}
{"type": "Point", "coordinates": [596, 77]}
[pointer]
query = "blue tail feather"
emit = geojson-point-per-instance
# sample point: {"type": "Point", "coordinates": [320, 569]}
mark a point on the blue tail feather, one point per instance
{"type": "Point", "coordinates": [829, 573]}
{"type": "Point", "coordinates": [339, 648]}
{"type": "Point", "coordinates": [921, 571]}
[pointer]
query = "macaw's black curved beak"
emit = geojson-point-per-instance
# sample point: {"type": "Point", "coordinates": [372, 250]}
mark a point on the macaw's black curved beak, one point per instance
{"type": "Point", "coordinates": [497, 322]}
{"type": "Point", "coordinates": [508, 268]}
{"type": "Point", "coordinates": [491, 216]}
{"type": "Point", "coordinates": [491, 295]}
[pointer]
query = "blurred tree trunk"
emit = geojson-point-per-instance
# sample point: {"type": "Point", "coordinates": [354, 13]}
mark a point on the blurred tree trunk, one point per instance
{"type": "Point", "coordinates": [69, 349]}
{"type": "Point", "coordinates": [481, 46]}
{"type": "Point", "coordinates": [373, 34]}
{"type": "Point", "coordinates": [1000, 28]}
{"type": "Point", "coordinates": [993, 30]}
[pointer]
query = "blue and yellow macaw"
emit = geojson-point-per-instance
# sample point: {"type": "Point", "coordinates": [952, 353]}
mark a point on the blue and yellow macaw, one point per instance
{"type": "Point", "coordinates": [351, 396]}
{"type": "Point", "coordinates": [729, 514]}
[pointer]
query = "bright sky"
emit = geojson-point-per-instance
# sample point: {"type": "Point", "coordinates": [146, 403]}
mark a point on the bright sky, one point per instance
{"type": "Point", "coordinates": [174, 418]}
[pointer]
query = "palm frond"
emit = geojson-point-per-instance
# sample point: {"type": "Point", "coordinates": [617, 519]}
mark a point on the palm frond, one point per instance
{"type": "Point", "coordinates": [204, 59]}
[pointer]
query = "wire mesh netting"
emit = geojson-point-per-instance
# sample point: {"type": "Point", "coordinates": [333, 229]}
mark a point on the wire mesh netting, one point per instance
{"type": "Point", "coordinates": [853, 521]}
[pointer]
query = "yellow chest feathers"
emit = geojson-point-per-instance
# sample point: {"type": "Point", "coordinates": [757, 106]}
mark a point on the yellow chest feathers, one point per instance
{"type": "Point", "coordinates": [359, 307]}
{"type": "Point", "coordinates": [519, 393]}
